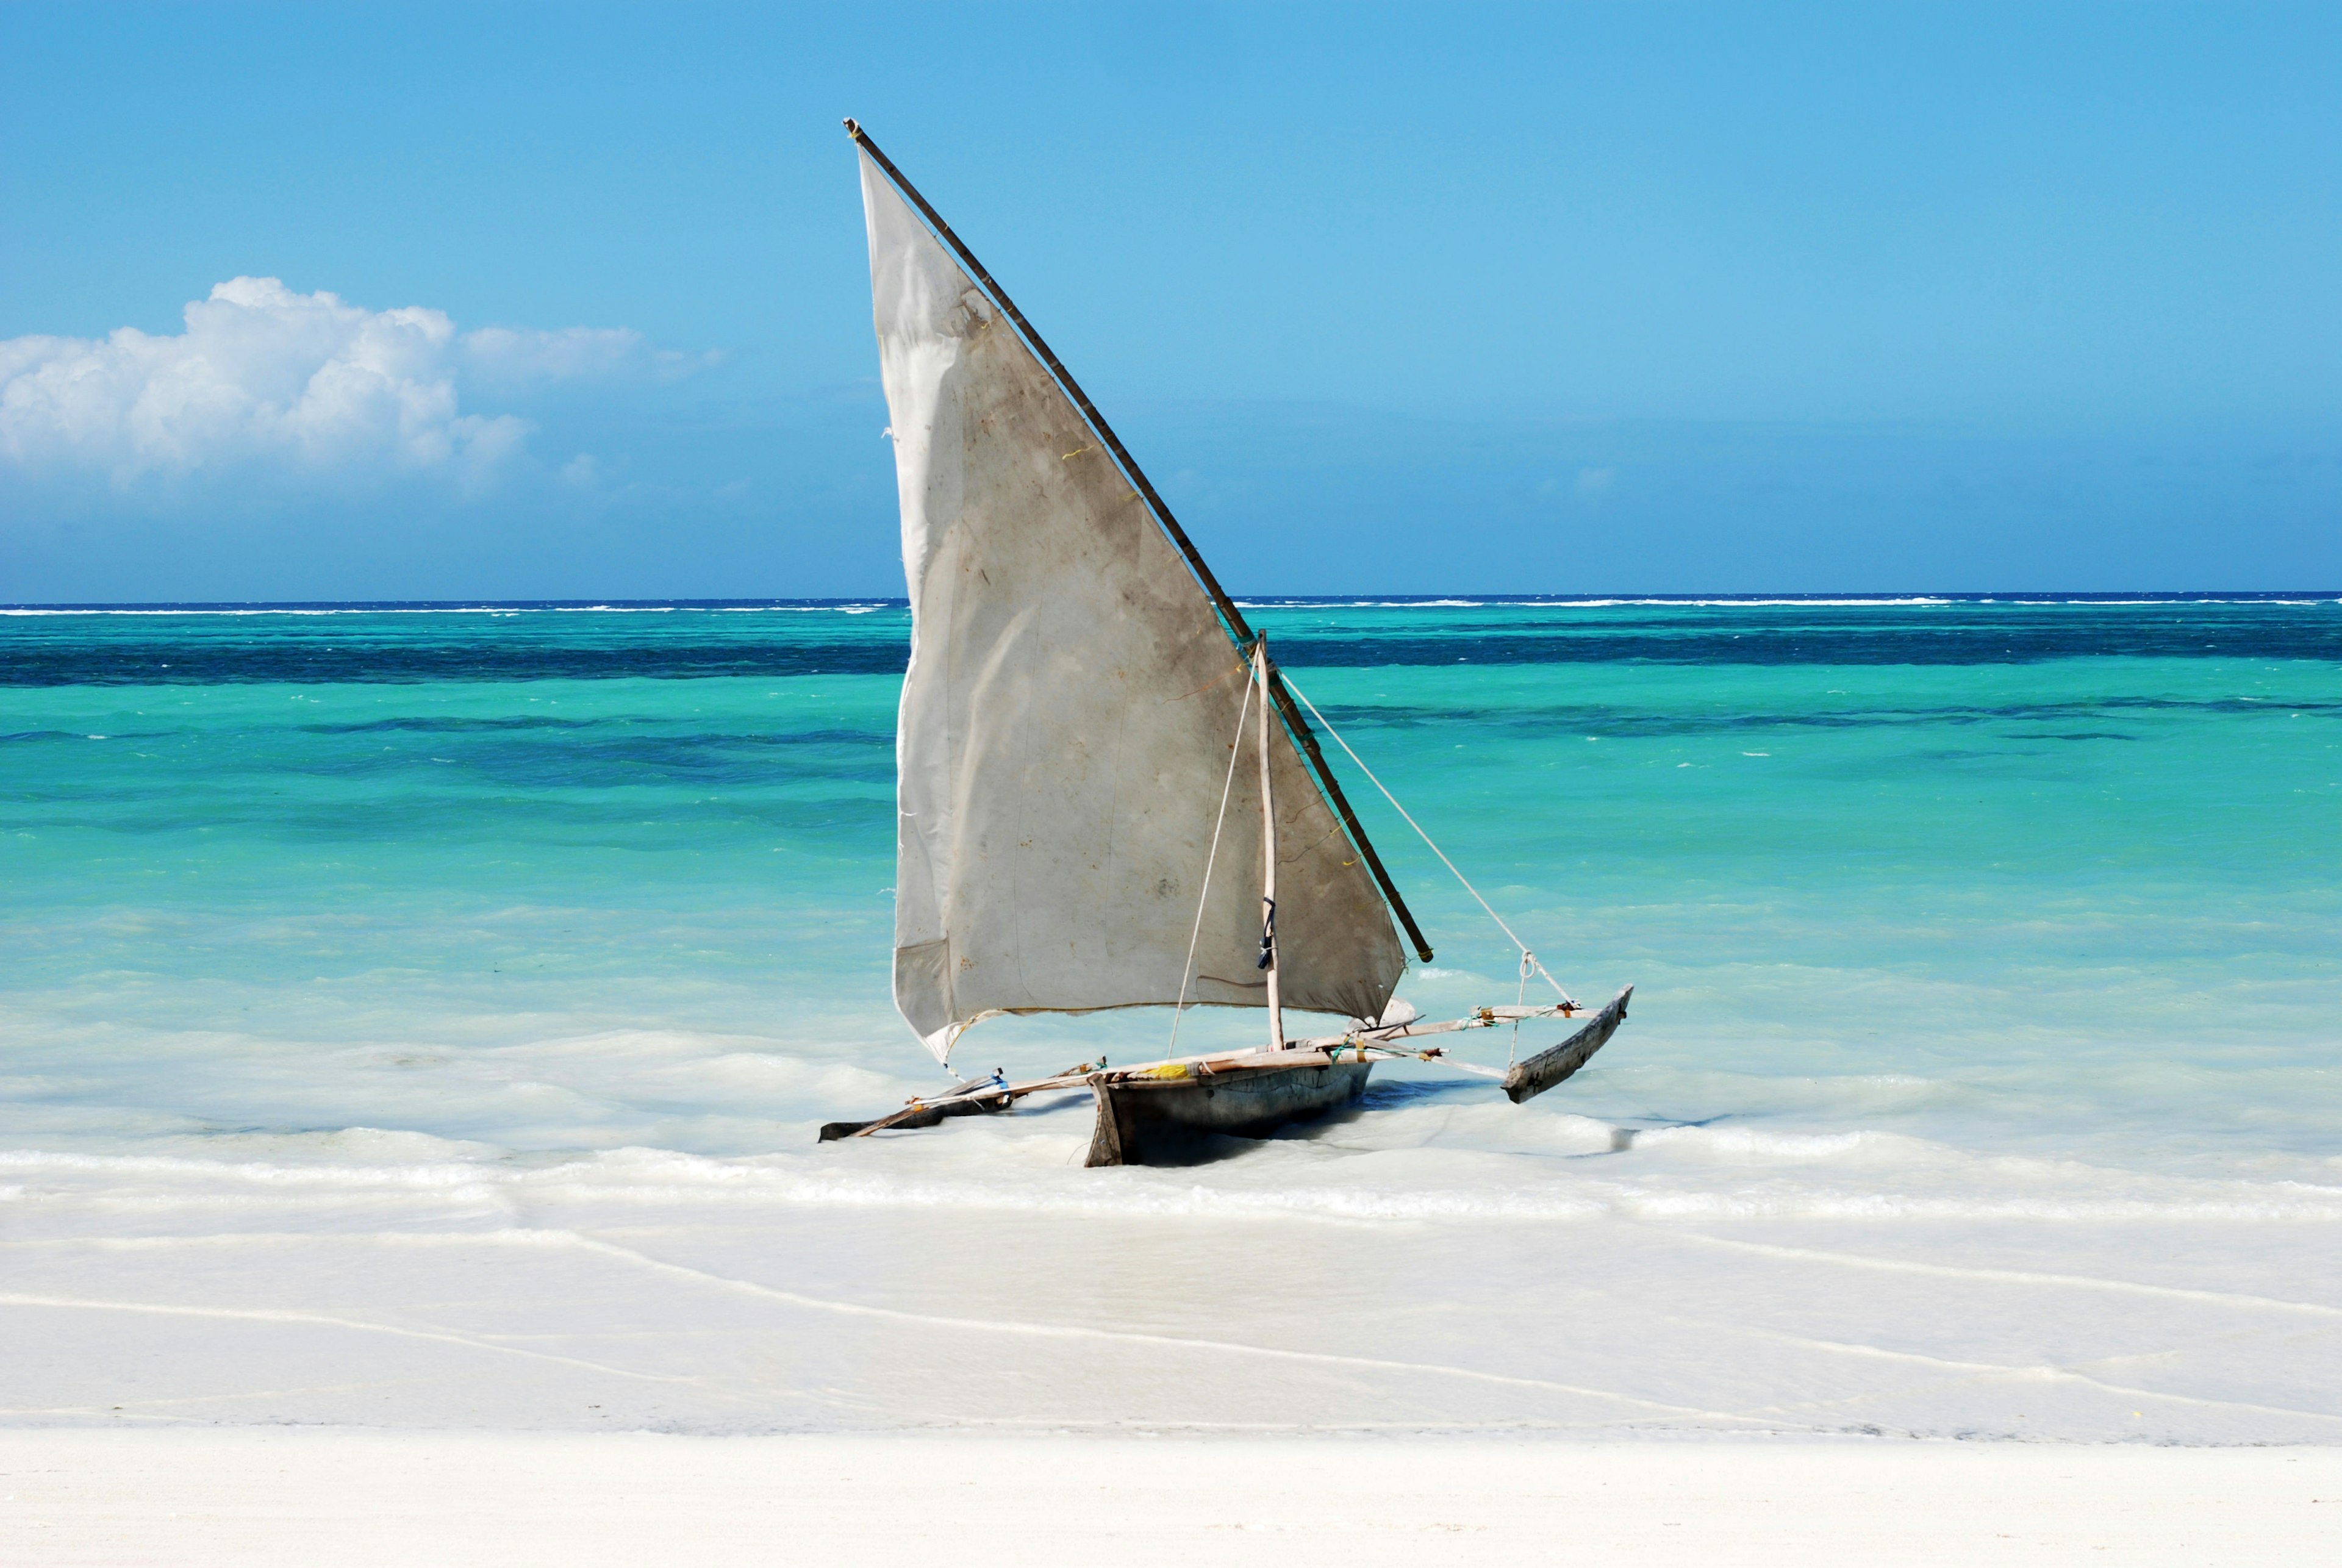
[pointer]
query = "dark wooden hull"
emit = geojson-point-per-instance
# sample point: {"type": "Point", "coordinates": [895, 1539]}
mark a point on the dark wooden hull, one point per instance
{"type": "Point", "coordinates": [1175, 1122]}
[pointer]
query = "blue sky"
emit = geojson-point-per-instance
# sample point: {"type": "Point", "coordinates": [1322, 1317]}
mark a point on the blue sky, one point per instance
{"type": "Point", "coordinates": [1467, 298]}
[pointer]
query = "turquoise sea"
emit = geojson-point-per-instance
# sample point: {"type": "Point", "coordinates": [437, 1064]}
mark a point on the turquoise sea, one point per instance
{"type": "Point", "coordinates": [471, 979]}
{"type": "Point", "coordinates": [2056, 876]}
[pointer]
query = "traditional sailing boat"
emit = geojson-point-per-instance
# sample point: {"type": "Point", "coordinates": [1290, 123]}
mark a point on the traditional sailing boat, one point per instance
{"type": "Point", "coordinates": [1094, 745]}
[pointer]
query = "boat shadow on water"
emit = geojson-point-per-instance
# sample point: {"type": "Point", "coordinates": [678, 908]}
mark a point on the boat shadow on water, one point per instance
{"type": "Point", "coordinates": [1194, 1147]}
{"type": "Point", "coordinates": [1411, 1092]}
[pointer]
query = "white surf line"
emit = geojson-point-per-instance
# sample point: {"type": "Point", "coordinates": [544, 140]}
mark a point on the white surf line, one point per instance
{"type": "Point", "coordinates": [1985, 1372]}
{"type": "Point", "coordinates": [1024, 1424]}
{"type": "Point", "coordinates": [1111, 1336]}
{"type": "Point", "coordinates": [153, 1409]}
{"type": "Point", "coordinates": [282, 1315]}
{"type": "Point", "coordinates": [2014, 1276]}
{"type": "Point", "coordinates": [2052, 1374]}
{"type": "Point", "coordinates": [519, 1237]}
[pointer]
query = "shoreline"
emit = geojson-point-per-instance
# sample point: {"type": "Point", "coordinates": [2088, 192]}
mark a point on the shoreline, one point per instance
{"type": "Point", "coordinates": [198, 1496]}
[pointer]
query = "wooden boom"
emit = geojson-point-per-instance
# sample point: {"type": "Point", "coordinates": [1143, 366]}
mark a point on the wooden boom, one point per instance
{"type": "Point", "coordinates": [1524, 1081]}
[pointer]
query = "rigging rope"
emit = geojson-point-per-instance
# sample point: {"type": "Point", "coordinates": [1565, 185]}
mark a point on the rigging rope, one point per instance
{"type": "Point", "coordinates": [1528, 959]}
{"type": "Point", "coordinates": [1520, 998]}
{"type": "Point", "coordinates": [1236, 750]}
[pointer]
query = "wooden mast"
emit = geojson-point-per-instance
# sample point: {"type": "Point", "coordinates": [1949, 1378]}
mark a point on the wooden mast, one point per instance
{"type": "Point", "coordinates": [1268, 854]}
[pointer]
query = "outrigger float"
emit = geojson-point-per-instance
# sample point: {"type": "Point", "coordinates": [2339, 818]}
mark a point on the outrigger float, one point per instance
{"type": "Point", "coordinates": [1078, 684]}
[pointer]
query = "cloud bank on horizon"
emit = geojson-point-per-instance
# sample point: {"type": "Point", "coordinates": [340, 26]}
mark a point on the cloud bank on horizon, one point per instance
{"type": "Point", "coordinates": [317, 389]}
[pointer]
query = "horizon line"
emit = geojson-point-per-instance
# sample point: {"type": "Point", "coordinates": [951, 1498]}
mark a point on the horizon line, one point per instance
{"type": "Point", "coordinates": [1461, 598]}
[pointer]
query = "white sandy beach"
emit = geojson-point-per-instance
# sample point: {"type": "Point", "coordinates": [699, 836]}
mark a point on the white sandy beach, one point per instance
{"type": "Point", "coordinates": [641, 1358]}
{"type": "Point", "coordinates": [360, 1498]}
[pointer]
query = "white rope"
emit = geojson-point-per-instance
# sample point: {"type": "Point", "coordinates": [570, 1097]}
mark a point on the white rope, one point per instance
{"type": "Point", "coordinates": [1520, 998]}
{"type": "Point", "coordinates": [1235, 749]}
{"type": "Point", "coordinates": [1528, 959]}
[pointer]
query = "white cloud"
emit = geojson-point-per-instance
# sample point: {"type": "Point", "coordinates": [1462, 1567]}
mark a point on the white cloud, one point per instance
{"type": "Point", "coordinates": [304, 382]}
{"type": "Point", "coordinates": [507, 355]}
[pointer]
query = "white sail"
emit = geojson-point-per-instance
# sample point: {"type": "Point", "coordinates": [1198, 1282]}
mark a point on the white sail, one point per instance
{"type": "Point", "coordinates": [1069, 710]}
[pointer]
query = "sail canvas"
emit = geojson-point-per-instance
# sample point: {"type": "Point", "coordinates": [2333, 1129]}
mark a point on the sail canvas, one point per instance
{"type": "Point", "coordinates": [1070, 708]}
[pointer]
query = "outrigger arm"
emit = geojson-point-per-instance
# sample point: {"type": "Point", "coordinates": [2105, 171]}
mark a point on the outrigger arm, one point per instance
{"type": "Point", "coordinates": [1524, 1080]}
